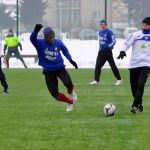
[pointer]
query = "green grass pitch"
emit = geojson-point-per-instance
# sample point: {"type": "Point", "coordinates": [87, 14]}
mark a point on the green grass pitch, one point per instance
{"type": "Point", "coordinates": [30, 119]}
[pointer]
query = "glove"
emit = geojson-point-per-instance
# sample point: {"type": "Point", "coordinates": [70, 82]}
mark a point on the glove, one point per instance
{"type": "Point", "coordinates": [73, 63]}
{"type": "Point", "coordinates": [122, 55]}
{"type": "Point", "coordinates": [38, 27]}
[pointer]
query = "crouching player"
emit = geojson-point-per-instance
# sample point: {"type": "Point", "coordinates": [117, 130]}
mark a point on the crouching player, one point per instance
{"type": "Point", "coordinates": [50, 59]}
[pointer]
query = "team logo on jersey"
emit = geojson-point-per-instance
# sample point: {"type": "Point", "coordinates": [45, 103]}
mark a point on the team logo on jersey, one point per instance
{"type": "Point", "coordinates": [143, 46]}
{"type": "Point", "coordinates": [56, 48]}
{"type": "Point", "coordinates": [138, 36]}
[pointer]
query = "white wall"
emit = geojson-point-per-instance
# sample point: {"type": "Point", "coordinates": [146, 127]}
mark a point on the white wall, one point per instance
{"type": "Point", "coordinates": [83, 52]}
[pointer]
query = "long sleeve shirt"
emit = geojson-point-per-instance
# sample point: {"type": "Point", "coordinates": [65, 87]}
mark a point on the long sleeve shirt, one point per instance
{"type": "Point", "coordinates": [50, 54]}
{"type": "Point", "coordinates": [140, 42]}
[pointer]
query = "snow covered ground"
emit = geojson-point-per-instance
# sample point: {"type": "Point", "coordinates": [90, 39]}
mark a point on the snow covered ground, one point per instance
{"type": "Point", "coordinates": [83, 52]}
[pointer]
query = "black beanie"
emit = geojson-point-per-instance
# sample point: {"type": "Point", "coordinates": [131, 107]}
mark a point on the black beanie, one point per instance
{"type": "Point", "coordinates": [10, 30]}
{"type": "Point", "coordinates": [146, 20]}
{"type": "Point", "coordinates": [48, 31]}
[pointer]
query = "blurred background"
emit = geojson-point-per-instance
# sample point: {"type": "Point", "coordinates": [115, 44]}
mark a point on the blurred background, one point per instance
{"type": "Point", "coordinates": [72, 20]}
{"type": "Point", "coordinates": [75, 18]}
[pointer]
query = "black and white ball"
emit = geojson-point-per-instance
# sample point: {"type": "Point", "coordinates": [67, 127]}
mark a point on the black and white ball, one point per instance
{"type": "Point", "coordinates": [109, 109]}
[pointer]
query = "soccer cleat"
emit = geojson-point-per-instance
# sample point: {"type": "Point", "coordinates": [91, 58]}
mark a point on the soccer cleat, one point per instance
{"type": "Point", "coordinates": [134, 109]}
{"type": "Point", "coordinates": [119, 82]}
{"type": "Point", "coordinates": [140, 108]}
{"type": "Point", "coordinates": [94, 83]}
{"type": "Point", "coordinates": [5, 91]}
{"type": "Point", "coordinates": [73, 96]}
{"type": "Point", "coordinates": [70, 106]}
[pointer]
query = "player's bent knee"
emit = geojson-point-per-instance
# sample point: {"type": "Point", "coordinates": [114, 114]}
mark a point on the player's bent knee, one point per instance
{"type": "Point", "coordinates": [70, 88]}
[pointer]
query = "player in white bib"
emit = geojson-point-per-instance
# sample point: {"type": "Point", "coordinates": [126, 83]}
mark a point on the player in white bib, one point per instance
{"type": "Point", "coordinates": [140, 62]}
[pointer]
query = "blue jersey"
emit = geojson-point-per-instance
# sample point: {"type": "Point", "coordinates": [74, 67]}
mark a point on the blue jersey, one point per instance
{"type": "Point", "coordinates": [106, 39]}
{"type": "Point", "coordinates": [50, 54]}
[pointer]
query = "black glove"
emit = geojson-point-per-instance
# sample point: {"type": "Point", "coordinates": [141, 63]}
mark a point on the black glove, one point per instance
{"type": "Point", "coordinates": [38, 27]}
{"type": "Point", "coordinates": [122, 55]}
{"type": "Point", "coordinates": [73, 63]}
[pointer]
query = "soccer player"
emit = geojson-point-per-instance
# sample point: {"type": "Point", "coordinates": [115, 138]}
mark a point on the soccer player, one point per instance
{"type": "Point", "coordinates": [49, 53]}
{"type": "Point", "coordinates": [12, 42]}
{"type": "Point", "coordinates": [106, 44]}
{"type": "Point", "coordinates": [2, 76]}
{"type": "Point", "coordinates": [140, 62]}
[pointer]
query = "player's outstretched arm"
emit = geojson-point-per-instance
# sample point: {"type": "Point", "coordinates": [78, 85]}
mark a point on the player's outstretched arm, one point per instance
{"type": "Point", "coordinates": [126, 45]}
{"type": "Point", "coordinates": [38, 27]}
{"type": "Point", "coordinates": [68, 56]}
{"type": "Point", "coordinates": [73, 63]}
{"type": "Point", "coordinates": [33, 37]}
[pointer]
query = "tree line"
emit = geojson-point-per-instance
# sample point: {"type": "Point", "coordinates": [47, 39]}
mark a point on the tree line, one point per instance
{"type": "Point", "coordinates": [30, 13]}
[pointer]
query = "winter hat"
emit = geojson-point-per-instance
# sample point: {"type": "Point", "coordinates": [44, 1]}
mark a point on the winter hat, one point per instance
{"type": "Point", "coordinates": [10, 30]}
{"type": "Point", "coordinates": [146, 20]}
{"type": "Point", "coordinates": [48, 31]}
{"type": "Point", "coordinates": [103, 21]}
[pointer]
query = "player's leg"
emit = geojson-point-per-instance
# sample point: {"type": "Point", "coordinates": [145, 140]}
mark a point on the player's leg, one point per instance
{"type": "Point", "coordinates": [3, 80]}
{"type": "Point", "coordinates": [134, 77]}
{"type": "Point", "coordinates": [144, 73]}
{"type": "Point", "coordinates": [66, 79]}
{"type": "Point", "coordinates": [114, 68]}
{"type": "Point", "coordinates": [52, 85]}
{"type": "Point", "coordinates": [8, 55]}
{"type": "Point", "coordinates": [18, 56]}
{"type": "Point", "coordinates": [100, 61]}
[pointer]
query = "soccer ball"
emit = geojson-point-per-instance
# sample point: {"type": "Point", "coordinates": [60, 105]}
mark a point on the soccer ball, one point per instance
{"type": "Point", "coordinates": [109, 109]}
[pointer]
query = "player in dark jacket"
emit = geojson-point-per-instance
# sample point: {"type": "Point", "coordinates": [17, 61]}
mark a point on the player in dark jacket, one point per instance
{"type": "Point", "coordinates": [49, 53]}
{"type": "Point", "coordinates": [106, 44]}
{"type": "Point", "coordinates": [2, 76]}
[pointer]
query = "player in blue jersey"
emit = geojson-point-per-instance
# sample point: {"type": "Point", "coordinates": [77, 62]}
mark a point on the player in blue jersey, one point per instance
{"type": "Point", "coordinates": [106, 44]}
{"type": "Point", "coordinates": [49, 53]}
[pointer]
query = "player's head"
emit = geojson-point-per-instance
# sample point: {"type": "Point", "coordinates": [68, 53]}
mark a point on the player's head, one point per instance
{"type": "Point", "coordinates": [146, 23]}
{"type": "Point", "coordinates": [49, 34]}
{"type": "Point", "coordinates": [10, 32]}
{"type": "Point", "coordinates": [103, 24]}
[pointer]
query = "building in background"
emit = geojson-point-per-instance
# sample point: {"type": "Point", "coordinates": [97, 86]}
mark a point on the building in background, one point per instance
{"type": "Point", "coordinates": [11, 6]}
{"type": "Point", "coordinates": [76, 13]}
{"type": "Point", "coordinates": [67, 14]}
{"type": "Point", "coordinates": [119, 14]}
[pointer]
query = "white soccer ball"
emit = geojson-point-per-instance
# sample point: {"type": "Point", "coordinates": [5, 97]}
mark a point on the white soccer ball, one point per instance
{"type": "Point", "coordinates": [109, 109]}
